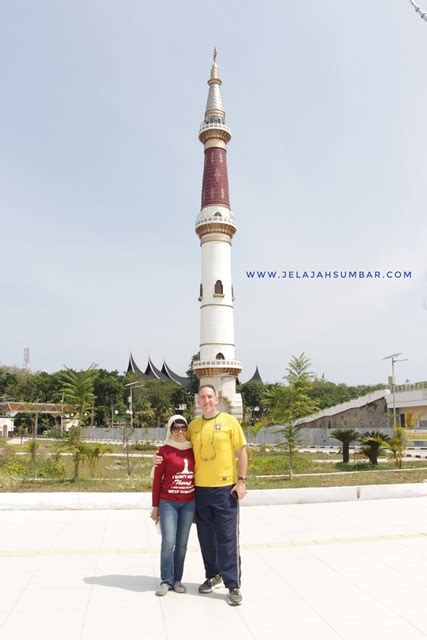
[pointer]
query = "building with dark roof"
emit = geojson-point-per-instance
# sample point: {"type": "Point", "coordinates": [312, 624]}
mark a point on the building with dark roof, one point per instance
{"type": "Point", "coordinates": [151, 372]}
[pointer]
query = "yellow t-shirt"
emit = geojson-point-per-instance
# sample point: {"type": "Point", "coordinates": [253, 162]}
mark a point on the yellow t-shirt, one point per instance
{"type": "Point", "coordinates": [215, 441]}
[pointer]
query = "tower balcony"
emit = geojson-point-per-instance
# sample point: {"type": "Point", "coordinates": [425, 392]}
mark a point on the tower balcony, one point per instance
{"type": "Point", "coordinates": [221, 126]}
{"type": "Point", "coordinates": [210, 130]}
{"type": "Point", "coordinates": [209, 222]}
{"type": "Point", "coordinates": [217, 367]}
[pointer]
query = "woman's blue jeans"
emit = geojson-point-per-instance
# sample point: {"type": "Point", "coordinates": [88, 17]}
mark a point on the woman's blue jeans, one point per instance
{"type": "Point", "coordinates": [175, 523]}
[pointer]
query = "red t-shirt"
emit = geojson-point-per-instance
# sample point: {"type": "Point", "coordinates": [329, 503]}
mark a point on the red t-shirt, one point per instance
{"type": "Point", "coordinates": [174, 477]}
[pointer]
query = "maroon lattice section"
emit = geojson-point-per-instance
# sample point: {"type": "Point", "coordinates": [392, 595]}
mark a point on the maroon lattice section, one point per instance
{"type": "Point", "coordinates": [215, 178]}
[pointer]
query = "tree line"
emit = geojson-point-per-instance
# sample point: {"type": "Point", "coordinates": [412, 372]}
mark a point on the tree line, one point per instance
{"type": "Point", "coordinates": [153, 401]}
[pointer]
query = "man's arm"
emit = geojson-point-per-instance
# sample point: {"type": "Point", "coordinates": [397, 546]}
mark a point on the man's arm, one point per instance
{"type": "Point", "coordinates": [240, 486]}
{"type": "Point", "coordinates": [155, 489]}
{"type": "Point", "coordinates": [157, 459]}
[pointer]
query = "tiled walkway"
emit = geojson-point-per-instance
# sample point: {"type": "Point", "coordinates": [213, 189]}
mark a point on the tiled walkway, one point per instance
{"type": "Point", "coordinates": [350, 570]}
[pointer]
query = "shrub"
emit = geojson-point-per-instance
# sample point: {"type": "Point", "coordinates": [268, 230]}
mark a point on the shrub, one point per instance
{"type": "Point", "coordinates": [145, 446]}
{"type": "Point", "coordinates": [92, 453]}
{"type": "Point", "coordinates": [12, 466]}
{"type": "Point", "coordinates": [397, 445]}
{"type": "Point", "coordinates": [355, 466]}
{"type": "Point", "coordinates": [51, 468]}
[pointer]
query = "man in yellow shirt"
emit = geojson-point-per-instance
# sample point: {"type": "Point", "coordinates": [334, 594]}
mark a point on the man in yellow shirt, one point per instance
{"type": "Point", "coordinates": [217, 440]}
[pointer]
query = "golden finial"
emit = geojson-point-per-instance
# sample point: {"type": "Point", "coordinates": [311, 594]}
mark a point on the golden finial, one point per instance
{"type": "Point", "coordinates": [214, 69]}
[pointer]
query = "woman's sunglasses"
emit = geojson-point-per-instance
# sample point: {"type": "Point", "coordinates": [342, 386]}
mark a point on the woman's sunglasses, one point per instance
{"type": "Point", "coordinates": [179, 427]}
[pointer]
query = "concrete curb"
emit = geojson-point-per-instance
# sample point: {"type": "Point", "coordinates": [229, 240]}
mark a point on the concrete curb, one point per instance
{"type": "Point", "coordinates": [256, 497]}
{"type": "Point", "coordinates": [334, 494]}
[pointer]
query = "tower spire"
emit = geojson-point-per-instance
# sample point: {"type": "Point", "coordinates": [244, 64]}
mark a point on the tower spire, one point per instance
{"type": "Point", "coordinates": [214, 113]}
{"type": "Point", "coordinates": [215, 134]}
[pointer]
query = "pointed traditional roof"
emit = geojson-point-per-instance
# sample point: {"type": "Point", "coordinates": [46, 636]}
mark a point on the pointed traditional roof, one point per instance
{"type": "Point", "coordinates": [133, 367]}
{"type": "Point", "coordinates": [256, 376]}
{"type": "Point", "coordinates": [181, 380]}
{"type": "Point", "coordinates": [152, 371]}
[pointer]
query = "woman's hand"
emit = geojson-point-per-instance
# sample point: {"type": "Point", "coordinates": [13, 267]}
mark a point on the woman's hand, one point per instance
{"type": "Point", "coordinates": [155, 514]}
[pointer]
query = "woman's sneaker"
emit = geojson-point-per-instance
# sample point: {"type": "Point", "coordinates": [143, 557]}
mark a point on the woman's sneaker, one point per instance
{"type": "Point", "coordinates": [163, 589]}
{"type": "Point", "coordinates": [178, 587]}
{"type": "Point", "coordinates": [234, 597]}
{"type": "Point", "coordinates": [210, 584]}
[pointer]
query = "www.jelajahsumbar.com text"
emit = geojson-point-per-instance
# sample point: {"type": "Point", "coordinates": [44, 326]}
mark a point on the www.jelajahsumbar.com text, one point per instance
{"type": "Point", "coordinates": [328, 275]}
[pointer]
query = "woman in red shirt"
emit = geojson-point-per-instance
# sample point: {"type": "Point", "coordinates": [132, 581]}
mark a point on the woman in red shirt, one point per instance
{"type": "Point", "coordinates": [173, 502]}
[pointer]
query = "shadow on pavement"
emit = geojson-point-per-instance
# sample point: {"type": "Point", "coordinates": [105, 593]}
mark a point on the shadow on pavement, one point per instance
{"type": "Point", "coordinates": [147, 583]}
{"type": "Point", "coordinates": [130, 583]}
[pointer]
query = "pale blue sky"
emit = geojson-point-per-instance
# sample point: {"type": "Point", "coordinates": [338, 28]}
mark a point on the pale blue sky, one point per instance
{"type": "Point", "coordinates": [100, 176]}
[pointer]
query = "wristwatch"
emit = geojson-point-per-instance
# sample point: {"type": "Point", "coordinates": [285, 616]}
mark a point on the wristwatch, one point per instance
{"type": "Point", "coordinates": [243, 478]}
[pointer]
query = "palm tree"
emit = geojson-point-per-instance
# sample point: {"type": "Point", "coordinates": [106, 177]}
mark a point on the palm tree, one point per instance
{"type": "Point", "coordinates": [373, 445]}
{"type": "Point", "coordinates": [346, 437]}
{"type": "Point", "coordinates": [162, 413]}
{"type": "Point", "coordinates": [397, 445]}
{"type": "Point", "coordinates": [298, 369]}
{"type": "Point", "coordinates": [32, 448]}
{"type": "Point", "coordinates": [78, 390]}
{"type": "Point", "coordinates": [145, 415]}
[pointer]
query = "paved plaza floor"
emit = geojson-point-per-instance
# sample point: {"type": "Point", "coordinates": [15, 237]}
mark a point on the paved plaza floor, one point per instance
{"type": "Point", "coordinates": [349, 570]}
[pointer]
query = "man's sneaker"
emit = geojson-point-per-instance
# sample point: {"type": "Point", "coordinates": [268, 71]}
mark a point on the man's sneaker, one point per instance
{"type": "Point", "coordinates": [210, 583]}
{"type": "Point", "coordinates": [163, 589]}
{"type": "Point", "coordinates": [234, 597]}
{"type": "Point", "coordinates": [178, 587]}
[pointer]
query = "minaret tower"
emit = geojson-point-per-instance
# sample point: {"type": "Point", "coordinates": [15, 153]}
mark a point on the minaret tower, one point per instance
{"type": "Point", "coordinates": [216, 226]}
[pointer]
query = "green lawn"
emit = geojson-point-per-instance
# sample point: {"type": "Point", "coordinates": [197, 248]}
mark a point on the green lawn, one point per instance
{"type": "Point", "coordinates": [311, 469]}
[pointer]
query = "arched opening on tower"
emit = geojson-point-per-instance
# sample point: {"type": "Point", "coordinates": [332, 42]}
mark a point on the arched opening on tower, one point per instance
{"type": "Point", "coordinates": [219, 289]}
{"type": "Point", "coordinates": [220, 356]}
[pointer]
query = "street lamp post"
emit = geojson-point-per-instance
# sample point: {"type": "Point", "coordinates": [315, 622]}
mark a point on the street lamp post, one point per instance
{"type": "Point", "coordinates": [114, 414]}
{"type": "Point", "coordinates": [62, 413]}
{"type": "Point", "coordinates": [132, 386]}
{"type": "Point", "coordinates": [394, 357]}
